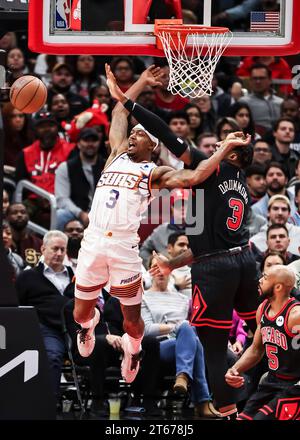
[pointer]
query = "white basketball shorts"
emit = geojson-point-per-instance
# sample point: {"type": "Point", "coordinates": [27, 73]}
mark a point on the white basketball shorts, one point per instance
{"type": "Point", "coordinates": [112, 257]}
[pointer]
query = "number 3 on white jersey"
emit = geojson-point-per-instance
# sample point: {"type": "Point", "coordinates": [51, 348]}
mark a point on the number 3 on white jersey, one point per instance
{"type": "Point", "coordinates": [113, 199]}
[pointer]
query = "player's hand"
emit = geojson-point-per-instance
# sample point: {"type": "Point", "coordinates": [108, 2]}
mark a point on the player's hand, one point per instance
{"type": "Point", "coordinates": [233, 378]}
{"type": "Point", "coordinates": [237, 347]}
{"type": "Point", "coordinates": [237, 139]}
{"type": "Point", "coordinates": [115, 341]}
{"type": "Point", "coordinates": [114, 89]}
{"type": "Point", "coordinates": [162, 266]}
{"type": "Point", "coordinates": [152, 76]}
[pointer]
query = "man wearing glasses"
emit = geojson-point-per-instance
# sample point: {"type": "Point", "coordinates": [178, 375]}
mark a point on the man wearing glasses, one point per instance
{"type": "Point", "coordinates": [264, 104]}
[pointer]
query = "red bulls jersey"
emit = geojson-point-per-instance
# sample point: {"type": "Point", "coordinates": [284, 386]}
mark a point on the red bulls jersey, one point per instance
{"type": "Point", "coordinates": [281, 345]}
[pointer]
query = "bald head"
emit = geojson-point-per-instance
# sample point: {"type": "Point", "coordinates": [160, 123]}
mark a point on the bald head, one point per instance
{"type": "Point", "coordinates": [279, 281]}
{"type": "Point", "coordinates": [282, 275]}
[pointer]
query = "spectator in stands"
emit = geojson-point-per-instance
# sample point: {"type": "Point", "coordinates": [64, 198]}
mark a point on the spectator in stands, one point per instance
{"type": "Point", "coordinates": [262, 153]}
{"type": "Point", "coordinates": [147, 100]}
{"type": "Point", "coordinates": [277, 65]}
{"type": "Point", "coordinates": [74, 230]}
{"type": "Point", "coordinates": [165, 315]}
{"type": "Point", "coordinates": [60, 109]}
{"type": "Point", "coordinates": [237, 91]}
{"type": "Point", "coordinates": [38, 162]}
{"type": "Point", "coordinates": [208, 113]}
{"type": "Point", "coordinates": [276, 181]}
{"type": "Point", "coordinates": [16, 262]}
{"type": "Point", "coordinates": [179, 123]}
{"type": "Point", "coordinates": [76, 179]}
{"type": "Point", "coordinates": [44, 64]}
{"type": "Point", "coordinates": [271, 258]}
{"type": "Point", "coordinates": [256, 182]}
{"type": "Point", "coordinates": [8, 41]}
{"type": "Point", "coordinates": [124, 71]}
{"type": "Point", "coordinates": [48, 287]}
{"type": "Point", "coordinates": [15, 63]}
{"type": "Point", "coordinates": [25, 243]}
{"type": "Point", "coordinates": [225, 126]}
{"type": "Point", "coordinates": [5, 203]}
{"type": "Point", "coordinates": [295, 219]}
{"type": "Point", "coordinates": [164, 98]}
{"type": "Point", "coordinates": [101, 93]}
{"type": "Point", "coordinates": [62, 78]}
{"type": "Point", "coordinates": [206, 143]}
{"type": "Point", "coordinates": [242, 114]}
{"type": "Point", "coordinates": [284, 134]}
{"type": "Point", "coordinates": [264, 104]}
{"type": "Point", "coordinates": [290, 109]}
{"type": "Point", "coordinates": [195, 121]}
{"type": "Point", "coordinates": [278, 212]}
{"type": "Point", "coordinates": [158, 240]}
{"type": "Point", "coordinates": [17, 133]}
{"type": "Point", "coordinates": [278, 241]}
{"type": "Point", "coordinates": [221, 101]}
{"type": "Point", "coordinates": [85, 76]}
{"type": "Point", "coordinates": [181, 278]}
{"type": "Point", "coordinates": [237, 336]}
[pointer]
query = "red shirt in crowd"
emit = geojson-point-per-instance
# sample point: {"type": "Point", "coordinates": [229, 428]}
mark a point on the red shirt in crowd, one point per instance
{"type": "Point", "coordinates": [279, 68]}
{"type": "Point", "coordinates": [39, 166]}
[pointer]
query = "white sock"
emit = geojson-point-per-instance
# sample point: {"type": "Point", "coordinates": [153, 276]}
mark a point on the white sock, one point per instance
{"type": "Point", "coordinates": [135, 344]}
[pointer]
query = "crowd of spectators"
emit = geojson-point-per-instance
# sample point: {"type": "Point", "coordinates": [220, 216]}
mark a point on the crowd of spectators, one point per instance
{"type": "Point", "coordinates": [62, 149]}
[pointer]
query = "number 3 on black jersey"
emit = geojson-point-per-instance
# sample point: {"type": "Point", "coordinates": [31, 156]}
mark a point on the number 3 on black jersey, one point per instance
{"type": "Point", "coordinates": [233, 223]}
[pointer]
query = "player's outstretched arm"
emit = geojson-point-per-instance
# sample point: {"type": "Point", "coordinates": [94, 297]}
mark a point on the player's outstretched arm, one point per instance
{"type": "Point", "coordinates": [151, 77]}
{"type": "Point", "coordinates": [249, 359]}
{"type": "Point", "coordinates": [119, 123]}
{"type": "Point", "coordinates": [149, 120]}
{"type": "Point", "coordinates": [166, 177]}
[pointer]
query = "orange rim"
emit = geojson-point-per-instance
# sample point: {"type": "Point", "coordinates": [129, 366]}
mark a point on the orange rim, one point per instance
{"type": "Point", "coordinates": [189, 29]}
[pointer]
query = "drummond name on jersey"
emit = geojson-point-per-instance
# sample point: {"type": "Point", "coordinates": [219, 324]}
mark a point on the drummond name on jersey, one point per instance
{"type": "Point", "coordinates": [234, 185]}
{"type": "Point", "coordinates": [124, 180]}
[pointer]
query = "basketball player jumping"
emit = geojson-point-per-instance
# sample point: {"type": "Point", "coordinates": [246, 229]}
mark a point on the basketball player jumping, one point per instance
{"type": "Point", "coordinates": [277, 335]}
{"type": "Point", "coordinates": [224, 274]}
{"type": "Point", "coordinates": [109, 249]}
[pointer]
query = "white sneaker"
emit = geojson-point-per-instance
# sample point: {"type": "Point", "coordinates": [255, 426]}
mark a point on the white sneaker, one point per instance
{"type": "Point", "coordinates": [131, 362]}
{"type": "Point", "coordinates": [86, 337]}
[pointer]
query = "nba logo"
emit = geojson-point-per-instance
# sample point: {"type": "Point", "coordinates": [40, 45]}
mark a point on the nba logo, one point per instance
{"type": "Point", "coordinates": [62, 14]}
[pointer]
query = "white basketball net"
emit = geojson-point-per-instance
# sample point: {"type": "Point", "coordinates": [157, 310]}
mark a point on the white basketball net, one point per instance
{"type": "Point", "coordinates": [191, 75]}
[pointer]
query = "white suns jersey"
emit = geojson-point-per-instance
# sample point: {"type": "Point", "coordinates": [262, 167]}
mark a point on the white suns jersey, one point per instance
{"type": "Point", "coordinates": [122, 195]}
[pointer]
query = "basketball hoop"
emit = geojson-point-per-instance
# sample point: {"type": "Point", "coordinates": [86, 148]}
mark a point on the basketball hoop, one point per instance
{"type": "Point", "coordinates": [192, 53]}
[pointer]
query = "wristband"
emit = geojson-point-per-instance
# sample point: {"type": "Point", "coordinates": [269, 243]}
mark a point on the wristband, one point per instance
{"type": "Point", "coordinates": [129, 105]}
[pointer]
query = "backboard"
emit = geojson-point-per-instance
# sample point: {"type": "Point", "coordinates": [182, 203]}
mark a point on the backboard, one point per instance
{"type": "Point", "coordinates": [125, 27]}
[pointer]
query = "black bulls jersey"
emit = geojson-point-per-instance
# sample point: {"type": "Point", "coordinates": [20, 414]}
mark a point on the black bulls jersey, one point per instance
{"type": "Point", "coordinates": [281, 346]}
{"type": "Point", "coordinates": [226, 208]}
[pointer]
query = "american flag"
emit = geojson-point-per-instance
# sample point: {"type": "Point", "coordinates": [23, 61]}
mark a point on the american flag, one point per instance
{"type": "Point", "coordinates": [265, 21]}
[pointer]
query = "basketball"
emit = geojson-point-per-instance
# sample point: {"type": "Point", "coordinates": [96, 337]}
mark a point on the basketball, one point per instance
{"type": "Point", "coordinates": [28, 94]}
